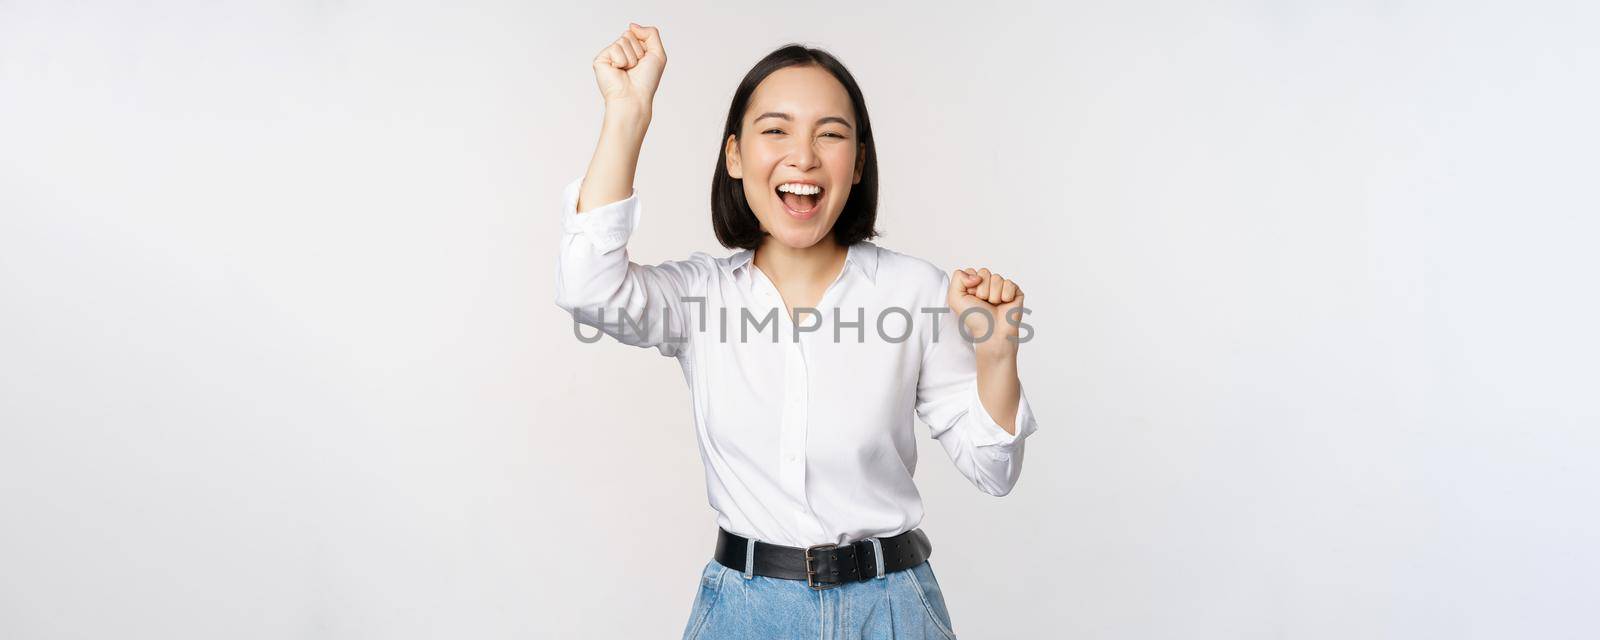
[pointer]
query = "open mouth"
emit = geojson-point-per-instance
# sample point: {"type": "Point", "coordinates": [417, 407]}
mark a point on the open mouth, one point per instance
{"type": "Point", "coordinates": [800, 205]}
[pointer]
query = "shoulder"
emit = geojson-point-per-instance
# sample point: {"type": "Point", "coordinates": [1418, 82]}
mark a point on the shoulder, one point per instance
{"type": "Point", "coordinates": [721, 264]}
{"type": "Point", "coordinates": [702, 261]}
{"type": "Point", "coordinates": [904, 271]}
{"type": "Point", "coordinates": [700, 268]}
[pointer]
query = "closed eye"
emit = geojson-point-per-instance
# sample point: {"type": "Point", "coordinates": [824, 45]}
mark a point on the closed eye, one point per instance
{"type": "Point", "coordinates": [830, 133]}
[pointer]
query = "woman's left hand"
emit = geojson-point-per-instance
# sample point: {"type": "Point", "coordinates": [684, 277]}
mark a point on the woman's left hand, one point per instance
{"type": "Point", "coordinates": [991, 293]}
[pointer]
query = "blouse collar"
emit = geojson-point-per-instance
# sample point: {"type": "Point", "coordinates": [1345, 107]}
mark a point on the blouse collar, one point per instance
{"type": "Point", "coordinates": [862, 255]}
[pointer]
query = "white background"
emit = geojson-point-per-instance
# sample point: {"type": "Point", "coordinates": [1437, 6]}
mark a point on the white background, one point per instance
{"type": "Point", "coordinates": [1313, 290]}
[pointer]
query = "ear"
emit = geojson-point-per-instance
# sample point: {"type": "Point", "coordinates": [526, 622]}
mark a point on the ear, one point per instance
{"type": "Point", "coordinates": [731, 150]}
{"type": "Point", "coordinates": [861, 162]}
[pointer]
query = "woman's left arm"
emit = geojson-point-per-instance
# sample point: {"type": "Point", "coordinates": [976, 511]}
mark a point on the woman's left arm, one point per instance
{"type": "Point", "coordinates": [992, 301]}
{"type": "Point", "coordinates": [968, 391]}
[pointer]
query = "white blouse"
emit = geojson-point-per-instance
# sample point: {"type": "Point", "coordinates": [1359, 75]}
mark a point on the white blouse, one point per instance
{"type": "Point", "coordinates": [806, 441]}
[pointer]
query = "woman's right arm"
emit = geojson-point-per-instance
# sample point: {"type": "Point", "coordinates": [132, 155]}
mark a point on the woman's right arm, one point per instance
{"type": "Point", "coordinates": [628, 71]}
{"type": "Point", "coordinates": [636, 304]}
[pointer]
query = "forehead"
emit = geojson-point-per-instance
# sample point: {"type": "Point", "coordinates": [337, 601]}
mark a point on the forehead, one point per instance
{"type": "Point", "coordinates": [805, 92]}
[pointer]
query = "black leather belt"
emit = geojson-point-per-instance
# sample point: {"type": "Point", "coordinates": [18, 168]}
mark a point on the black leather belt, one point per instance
{"type": "Point", "coordinates": [825, 566]}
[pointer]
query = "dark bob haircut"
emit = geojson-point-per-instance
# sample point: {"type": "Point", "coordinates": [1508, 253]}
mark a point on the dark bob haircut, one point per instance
{"type": "Point", "coordinates": [735, 223]}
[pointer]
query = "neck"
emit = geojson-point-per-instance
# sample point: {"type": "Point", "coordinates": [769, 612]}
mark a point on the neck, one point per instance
{"type": "Point", "coordinates": [817, 264]}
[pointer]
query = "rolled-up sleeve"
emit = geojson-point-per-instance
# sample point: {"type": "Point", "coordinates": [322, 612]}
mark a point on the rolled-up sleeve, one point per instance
{"type": "Point", "coordinates": [639, 305]}
{"type": "Point", "coordinates": [948, 401]}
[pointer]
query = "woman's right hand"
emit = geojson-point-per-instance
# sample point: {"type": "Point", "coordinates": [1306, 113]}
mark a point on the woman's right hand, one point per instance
{"type": "Point", "coordinates": [629, 70]}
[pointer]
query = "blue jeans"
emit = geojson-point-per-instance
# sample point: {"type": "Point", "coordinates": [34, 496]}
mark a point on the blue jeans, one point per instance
{"type": "Point", "coordinates": [903, 604]}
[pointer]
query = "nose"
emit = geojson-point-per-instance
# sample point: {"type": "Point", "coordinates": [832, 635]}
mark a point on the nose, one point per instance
{"type": "Point", "coordinates": [803, 158]}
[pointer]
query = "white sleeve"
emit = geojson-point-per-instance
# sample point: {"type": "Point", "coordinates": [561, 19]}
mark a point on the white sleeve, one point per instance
{"type": "Point", "coordinates": [948, 401]}
{"type": "Point", "coordinates": [639, 305]}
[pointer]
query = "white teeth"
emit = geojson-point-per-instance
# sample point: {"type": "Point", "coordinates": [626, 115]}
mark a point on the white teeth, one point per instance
{"type": "Point", "coordinates": [800, 189]}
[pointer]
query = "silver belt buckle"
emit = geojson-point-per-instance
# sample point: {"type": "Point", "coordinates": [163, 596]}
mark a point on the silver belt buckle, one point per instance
{"type": "Point", "coordinates": [811, 572]}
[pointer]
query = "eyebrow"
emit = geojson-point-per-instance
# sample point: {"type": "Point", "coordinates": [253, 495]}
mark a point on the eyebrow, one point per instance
{"type": "Point", "coordinates": [785, 116]}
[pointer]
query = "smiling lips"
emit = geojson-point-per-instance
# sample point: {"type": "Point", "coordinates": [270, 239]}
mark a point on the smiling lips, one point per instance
{"type": "Point", "coordinates": [800, 199]}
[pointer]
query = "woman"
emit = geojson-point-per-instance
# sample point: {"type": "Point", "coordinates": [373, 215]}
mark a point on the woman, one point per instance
{"type": "Point", "coordinates": [806, 427]}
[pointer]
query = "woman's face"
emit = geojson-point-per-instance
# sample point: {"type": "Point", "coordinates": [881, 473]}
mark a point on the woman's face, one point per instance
{"type": "Point", "coordinates": [799, 128]}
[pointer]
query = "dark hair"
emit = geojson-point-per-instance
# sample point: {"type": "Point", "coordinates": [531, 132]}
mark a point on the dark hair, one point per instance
{"type": "Point", "coordinates": [731, 217]}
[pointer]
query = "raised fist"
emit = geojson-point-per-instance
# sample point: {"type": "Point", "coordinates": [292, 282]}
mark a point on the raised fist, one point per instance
{"type": "Point", "coordinates": [629, 69]}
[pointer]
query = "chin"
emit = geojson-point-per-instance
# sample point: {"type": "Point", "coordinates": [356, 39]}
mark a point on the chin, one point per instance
{"type": "Point", "coordinates": [798, 238]}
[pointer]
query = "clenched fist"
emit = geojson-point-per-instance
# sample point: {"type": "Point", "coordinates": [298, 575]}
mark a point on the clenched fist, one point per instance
{"type": "Point", "coordinates": [997, 302]}
{"type": "Point", "coordinates": [629, 69]}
